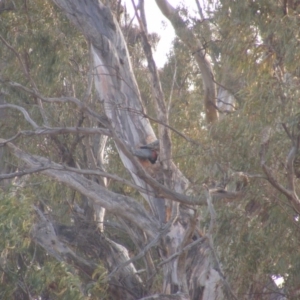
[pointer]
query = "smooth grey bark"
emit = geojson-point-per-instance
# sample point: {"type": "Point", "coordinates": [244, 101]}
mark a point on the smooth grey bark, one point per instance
{"type": "Point", "coordinates": [192, 275]}
{"type": "Point", "coordinates": [202, 58]}
{"type": "Point", "coordinates": [100, 211]}
{"type": "Point", "coordinates": [57, 240]}
{"type": "Point", "coordinates": [119, 93]}
{"type": "Point", "coordinates": [115, 82]}
{"type": "Point", "coordinates": [121, 205]}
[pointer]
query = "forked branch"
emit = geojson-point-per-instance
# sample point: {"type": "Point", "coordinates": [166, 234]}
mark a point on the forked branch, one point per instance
{"type": "Point", "coordinates": [288, 191]}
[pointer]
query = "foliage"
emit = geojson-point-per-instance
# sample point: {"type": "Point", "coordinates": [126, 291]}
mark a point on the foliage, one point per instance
{"type": "Point", "coordinates": [254, 43]}
{"type": "Point", "coordinates": [254, 47]}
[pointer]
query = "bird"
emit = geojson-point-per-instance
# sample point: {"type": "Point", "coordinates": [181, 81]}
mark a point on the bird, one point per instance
{"type": "Point", "coordinates": [148, 152]}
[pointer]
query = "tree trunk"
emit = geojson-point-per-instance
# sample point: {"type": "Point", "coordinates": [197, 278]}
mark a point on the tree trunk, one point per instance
{"type": "Point", "coordinates": [187, 267]}
{"type": "Point", "coordinates": [202, 58]}
{"type": "Point", "coordinates": [118, 90]}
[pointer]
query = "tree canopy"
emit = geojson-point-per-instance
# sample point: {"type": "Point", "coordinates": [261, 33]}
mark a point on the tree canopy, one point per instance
{"type": "Point", "coordinates": [119, 180]}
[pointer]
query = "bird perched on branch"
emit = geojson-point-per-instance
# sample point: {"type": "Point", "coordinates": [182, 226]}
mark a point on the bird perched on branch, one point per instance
{"type": "Point", "coordinates": [148, 152]}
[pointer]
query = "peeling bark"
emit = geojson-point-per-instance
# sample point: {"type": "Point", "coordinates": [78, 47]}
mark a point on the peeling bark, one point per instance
{"type": "Point", "coordinates": [115, 203]}
{"type": "Point", "coordinates": [118, 91]}
{"type": "Point", "coordinates": [56, 239]}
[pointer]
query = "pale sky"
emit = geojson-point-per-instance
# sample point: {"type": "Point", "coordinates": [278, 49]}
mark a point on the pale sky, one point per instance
{"type": "Point", "coordinates": [158, 23]}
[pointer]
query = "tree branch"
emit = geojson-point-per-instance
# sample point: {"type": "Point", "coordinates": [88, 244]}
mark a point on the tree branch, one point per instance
{"type": "Point", "coordinates": [142, 113]}
{"type": "Point", "coordinates": [44, 234]}
{"type": "Point", "coordinates": [100, 118]}
{"type": "Point", "coordinates": [178, 253]}
{"type": "Point", "coordinates": [28, 76]}
{"type": "Point", "coordinates": [51, 236]}
{"type": "Point", "coordinates": [290, 192]}
{"type": "Point", "coordinates": [212, 224]}
{"type": "Point", "coordinates": [23, 111]}
{"type": "Point", "coordinates": [22, 173]}
{"type": "Point", "coordinates": [202, 58]}
{"type": "Point", "coordinates": [143, 252]}
{"type": "Point", "coordinates": [160, 104]}
{"type": "Point", "coordinates": [115, 203]}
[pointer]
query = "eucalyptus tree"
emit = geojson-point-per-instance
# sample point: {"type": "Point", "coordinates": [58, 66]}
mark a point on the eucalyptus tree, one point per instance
{"type": "Point", "coordinates": [155, 203]}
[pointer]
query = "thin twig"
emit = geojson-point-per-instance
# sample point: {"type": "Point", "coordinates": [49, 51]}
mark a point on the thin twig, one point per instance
{"type": "Point", "coordinates": [27, 74]}
{"type": "Point", "coordinates": [23, 111]}
{"type": "Point", "coordinates": [289, 193]}
{"type": "Point", "coordinates": [161, 123]}
{"type": "Point", "coordinates": [287, 131]}
{"type": "Point", "coordinates": [23, 173]}
{"type": "Point", "coordinates": [83, 106]}
{"type": "Point", "coordinates": [172, 86]}
{"type": "Point", "coordinates": [74, 170]}
{"type": "Point", "coordinates": [153, 243]}
{"type": "Point", "coordinates": [186, 248]}
{"type": "Point", "coordinates": [290, 168]}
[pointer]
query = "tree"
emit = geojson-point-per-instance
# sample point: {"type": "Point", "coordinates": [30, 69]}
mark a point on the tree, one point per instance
{"type": "Point", "coordinates": [149, 232]}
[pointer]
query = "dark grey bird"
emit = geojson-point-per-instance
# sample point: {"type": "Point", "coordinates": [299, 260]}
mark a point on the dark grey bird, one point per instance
{"type": "Point", "coordinates": [148, 152]}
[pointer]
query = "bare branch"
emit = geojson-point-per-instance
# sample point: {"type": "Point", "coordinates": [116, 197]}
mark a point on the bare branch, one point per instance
{"type": "Point", "coordinates": [27, 74]}
{"type": "Point", "coordinates": [187, 238]}
{"type": "Point", "coordinates": [289, 193]}
{"type": "Point", "coordinates": [64, 130]}
{"type": "Point", "coordinates": [44, 234]}
{"type": "Point", "coordinates": [290, 167]}
{"type": "Point", "coordinates": [159, 97]}
{"type": "Point", "coordinates": [102, 173]}
{"type": "Point", "coordinates": [22, 173]}
{"type": "Point", "coordinates": [143, 15]}
{"type": "Point", "coordinates": [172, 86]}
{"type": "Point", "coordinates": [186, 248]}
{"type": "Point", "coordinates": [78, 171]}
{"type": "Point", "coordinates": [202, 58]}
{"type": "Point", "coordinates": [199, 10]}
{"type": "Point", "coordinates": [160, 189]}
{"type": "Point", "coordinates": [11, 48]}
{"type": "Point", "coordinates": [142, 113]}
{"type": "Point", "coordinates": [48, 236]}
{"type": "Point", "coordinates": [47, 130]}
{"type": "Point", "coordinates": [54, 130]}
{"type": "Point", "coordinates": [100, 118]}
{"type": "Point", "coordinates": [115, 203]}
{"type": "Point", "coordinates": [213, 217]}
{"type": "Point", "coordinates": [143, 252]}
{"type": "Point", "coordinates": [287, 131]}
{"type": "Point", "coordinates": [228, 104]}
{"type": "Point", "coordinates": [23, 111]}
